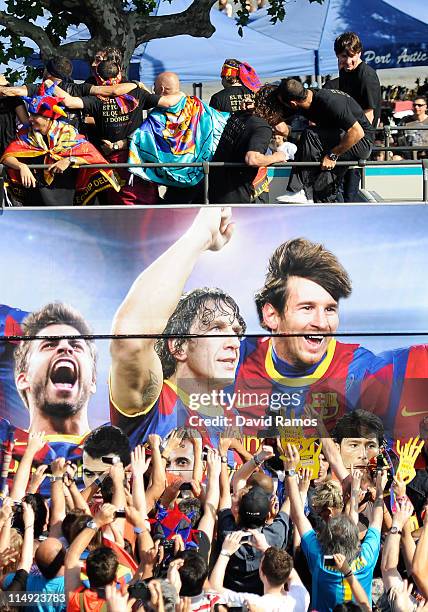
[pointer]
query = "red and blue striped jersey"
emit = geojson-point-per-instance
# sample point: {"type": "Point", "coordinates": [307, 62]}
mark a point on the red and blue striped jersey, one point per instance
{"type": "Point", "coordinates": [57, 445]}
{"type": "Point", "coordinates": [10, 402]}
{"type": "Point", "coordinates": [169, 411]}
{"type": "Point", "coordinates": [393, 385]}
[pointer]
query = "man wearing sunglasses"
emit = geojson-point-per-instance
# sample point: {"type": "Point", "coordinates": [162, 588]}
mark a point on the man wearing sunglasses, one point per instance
{"type": "Point", "coordinates": [419, 121]}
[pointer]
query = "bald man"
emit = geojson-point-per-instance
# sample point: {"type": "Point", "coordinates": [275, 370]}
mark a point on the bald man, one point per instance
{"type": "Point", "coordinates": [49, 558]}
{"type": "Point", "coordinates": [167, 83]}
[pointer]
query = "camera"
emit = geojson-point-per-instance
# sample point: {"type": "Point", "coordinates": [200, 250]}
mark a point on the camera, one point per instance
{"type": "Point", "coordinates": [140, 590]}
{"type": "Point", "coordinates": [120, 513]}
{"type": "Point", "coordinates": [329, 560]}
{"type": "Point", "coordinates": [186, 486]}
{"type": "Point", "coordinates": [168, 546]}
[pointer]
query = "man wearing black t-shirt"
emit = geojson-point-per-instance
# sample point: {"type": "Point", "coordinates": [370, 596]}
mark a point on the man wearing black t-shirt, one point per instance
{"type": "Point", "coordinates": [361, 82]}
{"type": "Point", "coordinates": [11, 109]}
{"type": "Point", "coordinates": [116, 118]}
{"type": "Point", "coordinates": [59, 69]}
{"type": "Point", "coordinates": [342, 132]}
{"type": "Point", "coordinates": [245, 139]}
{"type": "Point", "coordinates": [236, 92]}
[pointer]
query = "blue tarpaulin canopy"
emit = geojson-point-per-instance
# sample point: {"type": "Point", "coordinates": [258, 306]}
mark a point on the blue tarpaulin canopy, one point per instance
{"type": "Point", "coordinates": [201, 59]}
{"type": "Point", "coordinates": [391, 37]}
{"type": "Point", "coordinates": [394, 35]}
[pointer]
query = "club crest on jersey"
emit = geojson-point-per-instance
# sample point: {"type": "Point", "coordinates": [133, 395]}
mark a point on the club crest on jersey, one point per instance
{"type": "Point", "coordinates": [326, 404]}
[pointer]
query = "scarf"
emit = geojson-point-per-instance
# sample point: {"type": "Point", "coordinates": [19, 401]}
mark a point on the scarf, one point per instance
{"type": "Point", "coordinates": [187, 132]}
{"type": "Point", "coordinates": [126, 102]}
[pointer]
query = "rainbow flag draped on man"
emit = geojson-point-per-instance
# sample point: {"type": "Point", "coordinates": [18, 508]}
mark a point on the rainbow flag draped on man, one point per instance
{"type": "Point", "coordinates": [187, 132]}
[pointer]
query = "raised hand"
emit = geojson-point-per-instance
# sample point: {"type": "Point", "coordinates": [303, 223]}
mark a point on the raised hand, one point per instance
{"type": "Point", "coordinates": [35, 442]}
{"type": "Point", "coordinates": [265, 452]}
{"type": "Point", "coordinates": [139, 463]}
{"type": "Point", "coordinates": [232, 542]}
{"type": "Point", "coordinates": [214, 223]}
{"type": "Point", "coordinates": [105, 515]}
{"type": "Point", "coordinates": [403, 512]}
{"type": "Point", "coordinates": [291, 457]}
{"type": "Point", "coordinates": [37, 477]}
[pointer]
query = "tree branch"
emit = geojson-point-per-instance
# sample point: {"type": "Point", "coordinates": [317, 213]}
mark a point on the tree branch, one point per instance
{"type": "Point", "coordinates": [194, 21]}
{"type": "Point", "coordinates": [81, 49]}
{"type": "Point", "coordinates": [22, 27]}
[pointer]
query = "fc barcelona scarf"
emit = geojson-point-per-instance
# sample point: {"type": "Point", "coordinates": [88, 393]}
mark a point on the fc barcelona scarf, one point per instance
{"type": "Point", "coordinates": [62, 141]}
{"type": "Point", "coordinates": [187, 132]}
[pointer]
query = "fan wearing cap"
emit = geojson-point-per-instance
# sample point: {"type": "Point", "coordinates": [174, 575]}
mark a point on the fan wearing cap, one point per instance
{"type": "Point", "coordinates": [240, 83]}
{"type": "Point", "coordinates": [47, 139]}
{"type": "Point", "coordinates": [253, 511]}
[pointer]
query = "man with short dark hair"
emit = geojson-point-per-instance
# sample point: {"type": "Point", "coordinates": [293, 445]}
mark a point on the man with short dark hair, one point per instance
{"type": "Point", "coordinates": [419, 121]}
{"type": "Point", "coordinates": [193, 574]}
{"type": "Point", "coordinates": [361, 82]}
{"type": "Point", "coordinates": [282, 587]}
{"type": "Point", "coordinates": [342, 132]}
{"type": "Point", "coordinates": [105, 441]}
{"type": "Point", "coordinates": [55, 377]}
{"type": "Point", "coordinates": [303, 364]}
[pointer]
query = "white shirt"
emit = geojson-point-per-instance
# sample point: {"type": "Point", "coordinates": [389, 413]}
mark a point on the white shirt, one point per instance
{"type": "Point", "coordinates": [296, 599]}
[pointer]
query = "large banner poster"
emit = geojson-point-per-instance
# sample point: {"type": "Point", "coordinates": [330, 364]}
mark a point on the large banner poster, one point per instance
{"type": "Point", "coordinates": [338, 327]}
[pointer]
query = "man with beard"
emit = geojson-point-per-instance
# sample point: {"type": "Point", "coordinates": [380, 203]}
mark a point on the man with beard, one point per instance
{"type": "Point", "coordinates": [55, 377]}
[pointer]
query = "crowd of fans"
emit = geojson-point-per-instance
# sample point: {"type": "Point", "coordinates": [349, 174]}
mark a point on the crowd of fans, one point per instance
{"type": "Point", "coordinates": [68, 126]}
{"type": "Point", "coordinates": [144, 530]}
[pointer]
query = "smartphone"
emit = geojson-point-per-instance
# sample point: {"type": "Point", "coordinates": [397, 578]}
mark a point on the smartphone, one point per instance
{"type": "Point", "coordinates": [111, 460]}
{"type": "Point", "coordinates": [120, 513]}
{"type": "Point", "coordinates": [246, 538]}
{"type": "Point", "coordinates": [205, 453]}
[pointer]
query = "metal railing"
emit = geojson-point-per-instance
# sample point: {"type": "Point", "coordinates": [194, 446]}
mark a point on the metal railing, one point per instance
{"type": "Point", "coordinates": [362, 164]}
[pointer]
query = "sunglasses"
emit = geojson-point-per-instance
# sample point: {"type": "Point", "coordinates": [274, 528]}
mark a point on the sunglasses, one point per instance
{"type": "Point", "coordinates": [419, 104]}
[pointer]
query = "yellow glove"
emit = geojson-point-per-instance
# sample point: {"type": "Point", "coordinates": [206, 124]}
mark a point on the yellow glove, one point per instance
{"type": "Point", "coordinates": [408, 455]}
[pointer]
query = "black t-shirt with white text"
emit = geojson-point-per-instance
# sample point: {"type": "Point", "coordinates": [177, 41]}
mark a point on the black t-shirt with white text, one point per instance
{"type": "Point", "coordinates": [331, 108]}
{"type": "Point", "coordinates": [231, 98]}
{"type": "Point", "coordinates": [363, 85]}
{"type": "Point", "coordinates": [243, 132]}
{"type": "Point", "coordinates": [73, 89]}
{"type": "Point", "coordinates": [110, 123]}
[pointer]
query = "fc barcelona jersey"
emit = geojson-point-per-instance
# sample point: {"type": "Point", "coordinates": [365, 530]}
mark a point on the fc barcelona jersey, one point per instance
{"type": "Point", "coordinates": [57, 445]}
{"type": "Point", "coordinates": [171, 410]}
{"type": "Point", "coordinates": [11, 405]}
{"type": "Point", "coordinates": [393, 385]}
